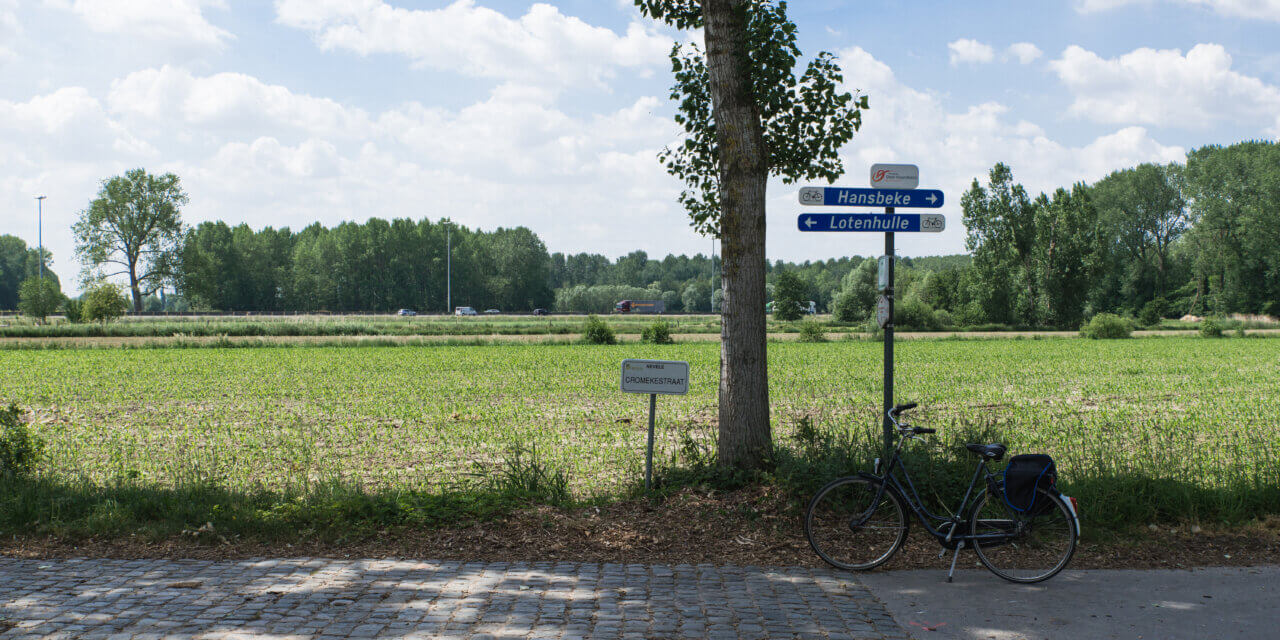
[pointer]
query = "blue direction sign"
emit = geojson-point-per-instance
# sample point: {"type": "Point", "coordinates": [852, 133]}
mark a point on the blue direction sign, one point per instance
{"type": "Point", "coordinates": [873, 222]}
{"type": "Point", "coordinates": [846, 197]}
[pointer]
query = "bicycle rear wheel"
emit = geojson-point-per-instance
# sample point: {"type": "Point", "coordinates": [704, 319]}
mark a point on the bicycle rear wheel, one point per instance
{"type": "Point", "coordinates": [1021, 547]}
{"type": "Point", "coordinates": [849, 529]}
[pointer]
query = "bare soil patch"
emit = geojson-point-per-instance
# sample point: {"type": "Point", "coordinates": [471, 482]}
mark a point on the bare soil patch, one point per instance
{"type": "Point", "coordinates": [747, 527]}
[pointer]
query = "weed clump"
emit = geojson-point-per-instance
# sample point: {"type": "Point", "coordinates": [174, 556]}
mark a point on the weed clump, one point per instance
{"type": "Point", "coordinates": [1107, 326]}
{"type": "Point", "coordinates": [811, 331]}
{"type": "Point", "coordinates": [20, 449]}
{"type": "Point", "coordinates": [1210, 328]}
{"type": "Point", "coordinates": [657, 333]}
{"type": "Point", "coordinates": [597, 331]}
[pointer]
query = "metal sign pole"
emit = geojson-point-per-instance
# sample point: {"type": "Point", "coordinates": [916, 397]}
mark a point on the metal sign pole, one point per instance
{"type": "Point", "coordinates": [648, 457]}
{"type": "Point", "coordinates": [888, 345]}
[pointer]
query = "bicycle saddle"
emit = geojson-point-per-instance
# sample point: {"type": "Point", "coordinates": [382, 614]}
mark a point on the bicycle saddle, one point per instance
{"type": "Point", "coordinates": [989, 451]}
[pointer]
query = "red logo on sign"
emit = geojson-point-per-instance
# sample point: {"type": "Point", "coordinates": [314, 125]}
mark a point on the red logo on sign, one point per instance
{"type": "Point", "coordinates": [879, 175]}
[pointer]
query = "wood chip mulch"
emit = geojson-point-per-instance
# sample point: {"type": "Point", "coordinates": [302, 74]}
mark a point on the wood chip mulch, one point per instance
{"type": "Point", "coordinates": [747, 527]}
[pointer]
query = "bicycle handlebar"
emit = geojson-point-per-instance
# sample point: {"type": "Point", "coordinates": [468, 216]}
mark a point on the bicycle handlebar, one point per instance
{"type": "Point", "coordinates": [903, 407]}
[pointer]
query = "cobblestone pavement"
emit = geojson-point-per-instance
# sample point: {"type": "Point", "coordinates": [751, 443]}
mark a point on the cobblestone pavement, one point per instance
{"type": "Point", "coordinates": [317, 598]}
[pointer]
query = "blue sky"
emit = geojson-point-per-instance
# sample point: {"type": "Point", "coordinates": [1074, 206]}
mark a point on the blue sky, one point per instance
{"type": "Point", "coordinates": [549, 115]}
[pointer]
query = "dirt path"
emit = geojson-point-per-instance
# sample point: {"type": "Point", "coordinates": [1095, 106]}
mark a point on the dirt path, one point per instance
{"type": "Point", "coordinates": [137, 342]}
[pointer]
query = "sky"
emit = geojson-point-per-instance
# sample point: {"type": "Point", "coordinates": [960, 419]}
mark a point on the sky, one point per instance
{"type": "Point", "coordinates": [550, 115]}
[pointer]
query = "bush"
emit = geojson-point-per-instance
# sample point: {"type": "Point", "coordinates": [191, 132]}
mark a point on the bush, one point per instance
{"type": "Point", "coordinates": [20, 449]}
{"type": "Point", "coordinates": [942, 318]}
{"type": "Point", "coordinates": [104, 303]}
{"type": "Point", "coordinates": [789, 293]}
{"type": "Point", "coordinates": [1152, 313]}
{"type": "Point", "coordinates": [657, 333]}
{"type": "Point", "coordinates": [597, 331]}
{"type": "Point", "coordinates": [845, 308]}
{"type": "Point", "coordinates": [39, 297]}
{"type": "Point", "coordinates": [812, 331]}
{"type": "Point", "coordinates": [1210, 328]}
{"type": "Point", "coordinates": [74, 310]}
{"type": "Point", "coordinates": [1106, 326]}
{"type": "Point", "coordinates": [1272, 309]}
{"type": "Point", "coordinates": [914, 314]}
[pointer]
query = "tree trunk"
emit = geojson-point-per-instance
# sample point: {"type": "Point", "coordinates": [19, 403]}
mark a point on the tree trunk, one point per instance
{"type": "Point", "coordinates": [745, 441]}
{"type": "Point", "coordinates": [137, 292]}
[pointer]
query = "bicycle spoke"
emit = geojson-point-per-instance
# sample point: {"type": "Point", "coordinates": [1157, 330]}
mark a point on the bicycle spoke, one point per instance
{"type": "Point", "coordinates": [848, 531]}
{"type": "Point", "coordinates": [1022, 547]}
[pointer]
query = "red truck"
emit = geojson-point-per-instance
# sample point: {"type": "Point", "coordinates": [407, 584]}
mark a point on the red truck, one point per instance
{"type": "Point", "coordinates": [640, 306]}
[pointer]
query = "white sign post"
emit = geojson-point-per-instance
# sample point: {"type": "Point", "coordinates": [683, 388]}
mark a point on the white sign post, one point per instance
{"type": "Point", "coordinates": [654, 377]}
{"type": "Point", "coordinates": [895, 176]}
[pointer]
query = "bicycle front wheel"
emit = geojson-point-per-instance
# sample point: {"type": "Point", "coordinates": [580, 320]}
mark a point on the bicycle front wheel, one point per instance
{"type": "Point", "coordinates": [1022, 547]}
{"type": "Point", "coordinates": [849, 529]}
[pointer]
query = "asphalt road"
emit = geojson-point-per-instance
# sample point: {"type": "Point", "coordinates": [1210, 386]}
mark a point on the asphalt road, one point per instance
{"type": "Point", "coordinates": [1196, 604]}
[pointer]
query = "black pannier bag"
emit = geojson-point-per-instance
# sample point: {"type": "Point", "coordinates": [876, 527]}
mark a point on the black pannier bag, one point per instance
{"type": "Point", "coordinates": [1023, 475]}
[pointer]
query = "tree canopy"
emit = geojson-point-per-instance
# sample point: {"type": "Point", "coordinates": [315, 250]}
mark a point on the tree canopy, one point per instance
{"type": "Point", "coordinates": [133, 228]}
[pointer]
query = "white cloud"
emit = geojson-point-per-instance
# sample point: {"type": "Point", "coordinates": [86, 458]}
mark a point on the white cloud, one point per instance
{"type": "Point", "coordinates": [1252, 9]}
{"type": "Point", "coordinates": [229, 104]}
{"type": "Point", "coordinates": [1024, 52]}
{"type": "Point", "coordinates": [171, 21]}
{"type": "Point", "coordinates": [952, 146]}
{"type": "Point", "coordinates": [966, 50]}
{"type": "Point", "coordinates": [10, 29]}
{"type": "Point", "coordinates": [1166, 88]}
{"type": "Point", "coordinates": [248, 151]}
{"type": "Point", "coordinates": [543, 45]}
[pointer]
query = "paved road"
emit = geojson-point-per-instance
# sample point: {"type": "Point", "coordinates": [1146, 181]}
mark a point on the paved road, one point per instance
{"type": "Point", "coordinates": [309, 598]}
{"type": "Point", "coordinates": [1090, 605]}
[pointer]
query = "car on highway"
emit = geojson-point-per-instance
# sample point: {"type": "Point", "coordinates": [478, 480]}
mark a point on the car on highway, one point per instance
{"type": "Point", "coordinates": [492, 311]}
{"type": "Point", "coordinates": [406, 312]}
{"type": "Point", "coordinates": [540, 312]}
{"type": "Point", "coordinates": [464, 311]}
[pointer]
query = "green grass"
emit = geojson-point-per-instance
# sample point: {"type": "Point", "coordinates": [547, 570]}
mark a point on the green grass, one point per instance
{"type": "Point", "coordinates": [276, 441]}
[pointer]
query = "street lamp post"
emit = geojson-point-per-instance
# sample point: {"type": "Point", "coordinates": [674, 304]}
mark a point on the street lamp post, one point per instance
{"type": "Point", "coordinates": [40, 233]}
{"type": "Point", "coordinates": [448, 269]}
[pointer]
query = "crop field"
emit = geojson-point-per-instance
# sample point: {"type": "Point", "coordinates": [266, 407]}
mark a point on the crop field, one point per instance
{"type": "Point", "coordinates": [1194, 422]}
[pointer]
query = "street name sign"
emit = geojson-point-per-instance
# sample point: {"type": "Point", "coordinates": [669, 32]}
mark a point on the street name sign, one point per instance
{"type": "Point", "coordinates": [663, 377]}
{"type": "Point", "coordinates": [873, 222]}
{"type": "Point", "coordinates": [858, 197]}
{"type": "Point", "coordinates": [895, 176]}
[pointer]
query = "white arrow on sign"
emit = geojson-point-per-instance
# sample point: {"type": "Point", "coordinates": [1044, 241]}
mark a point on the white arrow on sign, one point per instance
{"type": "Point", "coordinates": [809, 222]}
{"type": "Point", "coordinates": [932, 198]}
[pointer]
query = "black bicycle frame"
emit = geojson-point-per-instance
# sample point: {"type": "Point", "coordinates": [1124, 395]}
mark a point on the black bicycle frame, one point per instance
{"type": "Point", "coordinates": [950, 537]}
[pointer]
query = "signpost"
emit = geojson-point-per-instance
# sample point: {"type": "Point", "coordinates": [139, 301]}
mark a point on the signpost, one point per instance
{"type": "Point", "coordinates": [846, 197]}
{"type": "Point", "coordinates": [887, 223]}
{"type": "Point", "coordinates": [893, 185]}
{"type": "Point", "coordinates": [654, 377]}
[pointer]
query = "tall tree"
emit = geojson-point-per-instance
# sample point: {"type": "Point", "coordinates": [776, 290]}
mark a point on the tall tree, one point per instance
{"type": "Point", "coordinates": [135, 227]}
{"type": "Point", "coordinates": [1235, 201]}
{"type": "Point", "coordinates": [747, 116]}
{"type": "Point", "coordinates": [1001, 224]}
{"type": "Point", "coordinates": [1144, 212]}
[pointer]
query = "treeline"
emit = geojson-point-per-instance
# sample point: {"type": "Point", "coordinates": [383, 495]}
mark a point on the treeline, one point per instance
{"type": "Point", "coordinates": [18, 262]}
{"type": "Point", "coordinates": [1152, 241]}
{"type": "Point", "coordinates": [375, 266]}
{"type": "Point", "coordinates": [1201, 237]}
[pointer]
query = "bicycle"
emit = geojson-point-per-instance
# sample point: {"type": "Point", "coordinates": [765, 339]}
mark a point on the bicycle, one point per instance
{"type": "Point", "coordinates": [858, 522]}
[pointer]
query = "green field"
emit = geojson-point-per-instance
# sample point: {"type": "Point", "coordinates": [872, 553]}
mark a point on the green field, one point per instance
{"type": "Point", "coordinates": [1147, 429]}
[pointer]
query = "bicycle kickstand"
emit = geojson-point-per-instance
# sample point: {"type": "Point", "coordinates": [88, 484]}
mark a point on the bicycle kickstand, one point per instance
{"type": "Point", "coordinates": [952, 572]}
